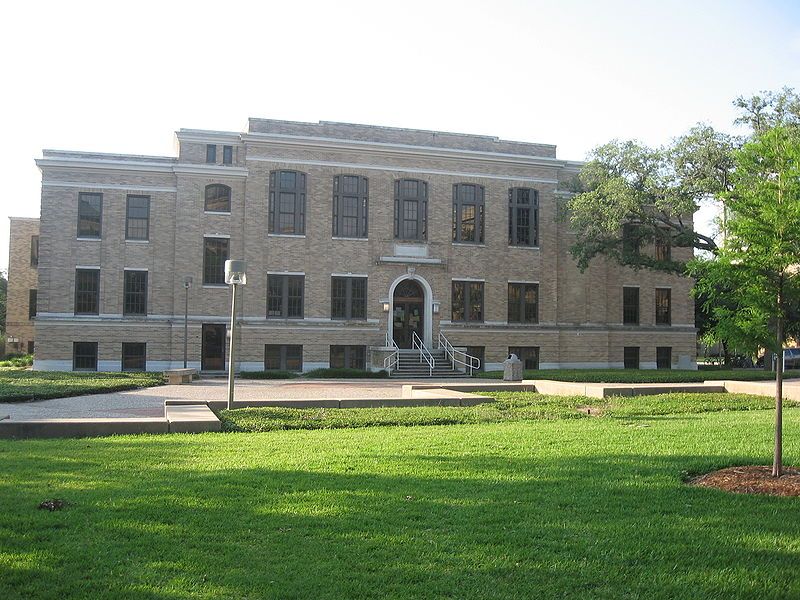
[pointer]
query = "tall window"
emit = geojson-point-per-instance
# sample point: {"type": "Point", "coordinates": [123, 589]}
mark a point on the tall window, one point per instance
{"type": "Point", "coordinates": [630, 357]}
{"type": "Point", "coordinates": [287, 202]}
{"type": "Point", "coordinates": [630, 305]}
{"type": "Point", "coordinates": [467, 301]}
{"type": "Point", "coordinates": [663, 357]}
{"type": "Point", "coordinates": [348, 357]}
{"type": "Point", "coordinates": [134, 356]}
{"type": "Point", "coordinates": [529, 355]}
{"type": "Point", "coordinates": [34, 250]}
{"type": "Point", "coordinates": [283, 357]}
{"type": "Point", "coordinates": [663, 306]}
{"type": "Point", "coordinates": [31, 303]}
{"type": "Point", "coordinates": [135, 296]}
{"type": "Point", "coordinates": [350, 197]}
{"type": "Point", "coordinates": [663, 247]}
{"type": "Point", "coordinates": [84, 356]}
{"type": "Point", "coordinates": [215, 253]}
{"type": "Point", "coordinates": [631, 240]}
{"type": "Point", "coordinates": [410, 209]}
{"type": "Point", "coordinates": [211, 153]}
{"type": "Point", "coordinates": [285, 296]}
{"type": "Point", "coordinates": [523, 217]}
{"type": "Point", "coordinates": [348, 297]}
{"type": "Point", "coordinates": [87, 291]}
{"type": "Point", "coordinates": [468, 213]}
{"type": "Point", "coordinates": [90, 214]}
{"type": "Point", "coordinates": [218, 198]}
{"type": "Point", "coordinates": [227, 155]}
{"type": "Point", "coordinates": [523, 302]}
{"type": "Point", "coordinates": [137, 218]}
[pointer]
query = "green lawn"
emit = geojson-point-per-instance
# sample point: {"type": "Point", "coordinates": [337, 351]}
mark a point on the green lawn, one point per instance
{"type": "Point", "coordinates": [567, 508]}
{"type": "Point", "coordinates": [18, 385]}
{"type": "Point", "coordinates": [643, 375]}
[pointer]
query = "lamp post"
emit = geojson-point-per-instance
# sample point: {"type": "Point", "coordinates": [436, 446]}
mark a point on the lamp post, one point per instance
{"type": "Point", "coordinates": [187, 283]}
{"type": "Point", "coordinates": [234, 275]}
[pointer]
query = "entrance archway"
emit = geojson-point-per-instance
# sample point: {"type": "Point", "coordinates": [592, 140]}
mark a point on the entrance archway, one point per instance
{"type": "Point", "coordinates": [425, 324]}
{"type": "Point", "coordinates": [408, 312]}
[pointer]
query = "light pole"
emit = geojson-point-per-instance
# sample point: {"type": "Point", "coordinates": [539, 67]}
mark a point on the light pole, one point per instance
{"type": "Point", "coordinates": [234, 275]}
{"type": "Point", "coordinates": [187, 283]}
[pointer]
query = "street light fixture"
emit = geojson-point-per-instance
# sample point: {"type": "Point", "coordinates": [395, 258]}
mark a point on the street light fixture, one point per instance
{"type": "Point", "coordinates": [187, 283]}
{"type": "Point", "coordinates": [234, 275]}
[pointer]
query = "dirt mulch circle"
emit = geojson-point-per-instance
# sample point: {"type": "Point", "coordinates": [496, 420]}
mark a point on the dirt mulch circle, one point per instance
{"type": "Point", "coordinates": [752, 480]}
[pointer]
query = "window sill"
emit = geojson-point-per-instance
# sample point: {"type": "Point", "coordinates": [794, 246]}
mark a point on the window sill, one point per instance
{"type": "Point", "coordinates": [351, 239]}
{"type": "Point", "coordinates": [95, 315]}
{"type": "Point", "coordinates": [524, 247]}
{"type": "Point", "coordinates": [217, 212]}
{"type": "Point", "coordinates": [88, 239]}
{"type": "Point", "coordinates": [137, 241]}
{"type": "Point", "coordinates": [216, 286]}
{"type": "Point", "coordinates": [469, 244]}
{"type": "Point", "coordinates": [287, 235]}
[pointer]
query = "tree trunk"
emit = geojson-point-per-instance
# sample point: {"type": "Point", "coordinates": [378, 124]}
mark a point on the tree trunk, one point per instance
{"type": "Point", "coordinates": [726, 353]}
{"type": "Point", "coordinates": [777, 460]}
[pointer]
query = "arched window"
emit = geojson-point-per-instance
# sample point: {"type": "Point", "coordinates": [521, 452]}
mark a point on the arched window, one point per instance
{"type": "Point", "coordinates": [410, 209]}
{"type": "Point", "coordinates": [218, 198]}
{"type": "Point", "coordinates": [468, 204]}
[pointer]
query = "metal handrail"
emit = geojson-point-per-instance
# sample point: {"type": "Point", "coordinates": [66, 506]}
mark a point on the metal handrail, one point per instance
{"type": "Point", "coordinates": [391, 360]}
{"type": "Point", "coordinates": [471, 363]}
{"type": "Point", "coordinates": [424, 353]}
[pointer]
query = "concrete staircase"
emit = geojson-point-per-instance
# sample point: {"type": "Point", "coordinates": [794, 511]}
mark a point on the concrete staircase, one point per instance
{"type": "Point", "coordinates": [411, 366]}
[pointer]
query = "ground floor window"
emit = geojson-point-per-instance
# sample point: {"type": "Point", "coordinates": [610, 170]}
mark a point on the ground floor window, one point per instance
{"type": "Point", "coordinates": [134, 356]}
{"type": "Point", "coordinates": [529, 355]}
{"type": "Point", "coordinates": [30, 347]}
{"type": "Point", "coordinates": [478, 352]}
{"type": "Point", "coordinates": [631, 357]}
{"type": "Point", "coordinates": [84, 356]}
{"type": "Point", "coordinates": [663, 357]}
{"type": "Point", "coordinates": [283, 357]}
{"type": "Point", "coordinates": [348, 357]}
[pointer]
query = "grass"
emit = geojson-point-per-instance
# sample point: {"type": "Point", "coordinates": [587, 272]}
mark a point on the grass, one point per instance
{"type": "Point", "coordinates": [18, 385]}
{"type": "Point", "coordinates": [569, 508]}
{"type": "Point", "coordinates": [643, 375]}
{"type": "Point", "coordinates": [509, 406]}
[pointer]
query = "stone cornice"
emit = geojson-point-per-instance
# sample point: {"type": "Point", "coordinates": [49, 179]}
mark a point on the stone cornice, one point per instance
{"type": "Point", "coordinates": [93, 164]}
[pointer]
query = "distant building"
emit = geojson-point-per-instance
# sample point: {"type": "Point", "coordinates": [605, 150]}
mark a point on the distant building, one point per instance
{"type": "Point", "coordinates": [21, 303]}
{"type": "Point", "coordinates": [355, 237]}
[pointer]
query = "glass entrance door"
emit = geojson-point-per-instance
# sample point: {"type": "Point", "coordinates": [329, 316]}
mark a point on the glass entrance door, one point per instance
{"type": "Point", "coordinates": [408, 313]}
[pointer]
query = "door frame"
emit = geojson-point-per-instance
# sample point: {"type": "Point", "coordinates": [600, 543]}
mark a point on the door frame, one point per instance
{"type": "Point", "coordinates": [427, 307]}
{"type": "Point", "coordinates": [224, 328]}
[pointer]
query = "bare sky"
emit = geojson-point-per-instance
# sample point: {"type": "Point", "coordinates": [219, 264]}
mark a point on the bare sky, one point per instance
{"type": "Point", "coordinates": [122, 77]}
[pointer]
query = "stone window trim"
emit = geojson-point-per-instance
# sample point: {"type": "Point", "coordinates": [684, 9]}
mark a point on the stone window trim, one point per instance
{"type": "Point", "coordinates": [90, 215]}
{"type": "Point", "coordinates": [630, 305]}
{"type": "Point", "coordinates": [663, 306]}
{"type": "Point", "coordinates": [411, 209]}
{"type": "Point", "coordinates": [521, 307]}
{"type": "Point", "coordinates": [134, 356]}
{"type": "Point", "coordinates": [343, 226]}
{"type": "Point", "coordinates": [348, 357]}
{"type": "Point", "coordinates": [466, 196]}
{"type": "Point", "coordinates": [137, 226]}
{"type": "Point", "coordinates": [34, 251]}
{"type": "Point", "coordinates": [523, 217]}
{"type": "Point", "coordinates": [283, 357]}
{"type": "Point", "coordinates": [287, 202]}
{"type": "Point", "coordinates": [217, 199]}
{"type": "Point", "coordinates": [32, 297]}
{"type": "Point", "coordinates": [216, 250]}
{"type": "Point", "coordinates": [281, 302]}
{"type": "Point", "coordinates": [135, 288]}
{"type": "Point", "coordinates": [467, 301]}
{"type": "Point", "coordinates": [87, 291]}
{"type": "Point", "coordinates": [84, 356]}
{"type": "Point", "coordinates": [211, 153]}
{"type": "Point", "coordinates": [348, 298]}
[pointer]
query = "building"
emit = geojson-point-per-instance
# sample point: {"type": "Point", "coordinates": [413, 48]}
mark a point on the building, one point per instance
{"type": "Point", "coordinates": [354, 236]}
{"type": "Point", "coordinates": [21, 300]}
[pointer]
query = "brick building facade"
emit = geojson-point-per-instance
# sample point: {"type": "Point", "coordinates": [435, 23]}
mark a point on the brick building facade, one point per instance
{"type": "Point", "coordinates": [21, 303]}
{"type": "Point", "coordinates": [353, 235]}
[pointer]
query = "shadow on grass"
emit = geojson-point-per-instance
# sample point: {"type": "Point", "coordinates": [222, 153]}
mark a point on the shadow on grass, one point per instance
{"type": "Point", "coordinates": [424, 526]}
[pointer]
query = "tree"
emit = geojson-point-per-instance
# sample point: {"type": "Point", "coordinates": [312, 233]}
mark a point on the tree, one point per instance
{"type": "Point", "coordinates": [761, 256]}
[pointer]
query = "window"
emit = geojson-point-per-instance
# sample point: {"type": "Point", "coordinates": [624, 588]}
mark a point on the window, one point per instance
{"type": "Point", "coordinates": [529, 355]}
{"type": "Point", "coordinates": [523, 302]}
{"type": "Point", "coordinates": [137, 218]}
{"type": "Point", "coordinates": [348, 357]}
{"type": "Point", "coordinates": [34, 250]}
{"type": "Point", "coordinates": [663, 357]}
{"type": "Point", "coordinates": [663, 306]}
{"type": "Point", "coordinates": [410, 209]}
{"type": "Point", "coordinates": [285, 296]}
{"type": "Point", "coordinates": [90, 214]}
{"type": "Point", "coordinates": [631, 357]}
{"type": "Point", "coordinates": [468, 213]}
{"type": "Point", "coordinates": [663, 247]}
{"type": "Point", "coordinates": [135, 300]}
{"type": "Point", "coordinates": [218, 198]}
{"type": "Point", "coordinates": [87, 291]}
{"type": "Point", "coordinates": [211, 153]}
{"type": "Point", "coordinates": [31, 303]}
{"type": "Point", "coordinates": [479, 353]}
{"type": "Point", "coordinates": [467, 301]}
{"type": "Point", "coordinates": [348, 297]}
{"type": "Point", "coordinates": [84, 356]}
{"type": "Point", "coordinates": [134, 356]}
{"type": "Point", "coordinates": [350, 196]}
{"type": "Point", "coordinates": [278, 357]}
{"type": "Point", "coordinates": [215, 253]}
{"type": "Point", "coordinates": [631, 241]}
{"type": "Point", "coordinates": [630, 305]}
{"type": "Point", "coordinates": [227, 155]}
{"type": "Point", "coordinates": [523, 217]}
{"type": "Point", "coordinates": [30, 346]}
{"type": "Point", "coordinates": [287, 202]}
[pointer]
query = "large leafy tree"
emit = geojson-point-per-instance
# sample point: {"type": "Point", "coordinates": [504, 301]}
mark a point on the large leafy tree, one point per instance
{"type": "Point", "coordinates": [760, 259]}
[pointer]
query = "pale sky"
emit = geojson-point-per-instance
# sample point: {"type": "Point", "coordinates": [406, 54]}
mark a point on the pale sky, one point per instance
{"type": "Point", "coordinates": [114, 77]}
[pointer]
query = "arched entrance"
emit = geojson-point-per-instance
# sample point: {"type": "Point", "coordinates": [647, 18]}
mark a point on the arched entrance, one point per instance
{"type": "Point", "coordinates": [408, 312]}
